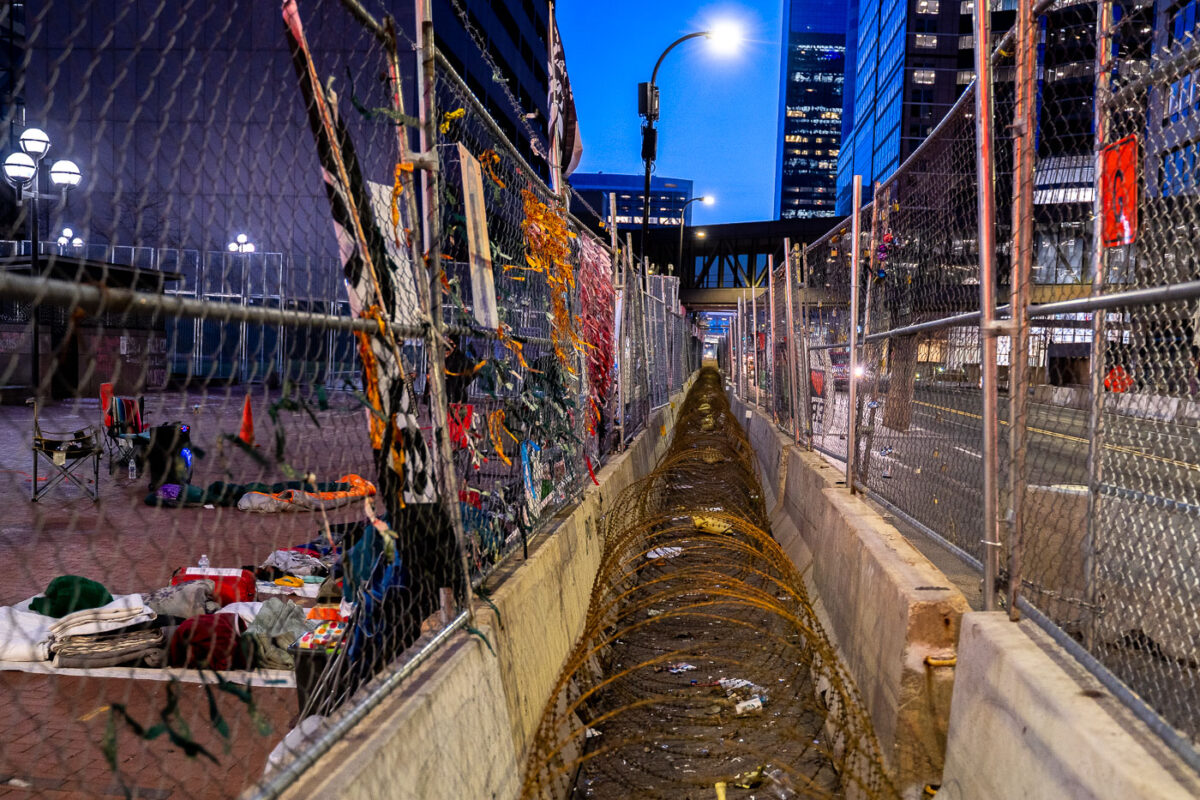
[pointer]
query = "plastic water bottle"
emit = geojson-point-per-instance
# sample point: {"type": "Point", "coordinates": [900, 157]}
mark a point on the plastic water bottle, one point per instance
{"type": "Point", "coordinates": [204, 561]}
{"type": "Point", "coordinates": [132, 470]}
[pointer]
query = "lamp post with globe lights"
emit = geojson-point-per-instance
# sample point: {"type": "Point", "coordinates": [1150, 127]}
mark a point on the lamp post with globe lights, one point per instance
{"type": "Point", "coordinates": [241, 244]}
{"type": "Point", "coordinates": [68, 239]}
{"type": "Point", "coordinates": [21, 170]}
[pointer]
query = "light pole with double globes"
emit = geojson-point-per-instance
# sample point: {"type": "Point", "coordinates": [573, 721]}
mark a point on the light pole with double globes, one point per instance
{"type": "Point", "coordinates": [21, 170]}
{"type": "Point", "coordinates": [708, 200]}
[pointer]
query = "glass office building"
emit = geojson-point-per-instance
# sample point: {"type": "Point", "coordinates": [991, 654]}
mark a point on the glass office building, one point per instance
{"type": "Point", "coordinates": [810, 119]}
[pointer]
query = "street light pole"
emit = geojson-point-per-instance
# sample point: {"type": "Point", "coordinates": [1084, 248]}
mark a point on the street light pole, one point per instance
{"type": "Point", "coordinates": [648, 107]}
{"type": "Point", "coordinates": [708, 201]}
{"type": "Point", "coordinates": [21, 171]}
{"type": "Point", "coordinates": [241, 247]}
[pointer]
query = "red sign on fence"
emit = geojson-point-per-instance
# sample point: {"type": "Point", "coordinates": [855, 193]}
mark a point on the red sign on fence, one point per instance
{"type": "Point", "coordinates": [1119, 191]}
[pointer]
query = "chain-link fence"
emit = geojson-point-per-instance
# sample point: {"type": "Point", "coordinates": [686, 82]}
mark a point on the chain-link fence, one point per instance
{"type": "Point", "coordinates": [309, 349]}
{"type": "Point", "coordinates": [1054, 448]}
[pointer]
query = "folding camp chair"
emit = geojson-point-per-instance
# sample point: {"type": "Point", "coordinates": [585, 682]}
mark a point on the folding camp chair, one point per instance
{"type": "Point", "coordinates": [126, 435]}
{"type": "Point", "coordinates": [68, 455]}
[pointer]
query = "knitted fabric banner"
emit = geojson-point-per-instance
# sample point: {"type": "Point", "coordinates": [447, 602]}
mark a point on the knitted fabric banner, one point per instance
{"type": "Point", "coordinates": [597, 317]}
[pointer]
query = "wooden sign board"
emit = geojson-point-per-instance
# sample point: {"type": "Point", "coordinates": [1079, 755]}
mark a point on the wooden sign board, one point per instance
{"type": "Point", "coordinates": [483, 286]}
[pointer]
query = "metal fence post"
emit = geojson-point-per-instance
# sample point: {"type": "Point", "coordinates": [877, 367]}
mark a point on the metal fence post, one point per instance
{"type": "Point", "coordinates": [740, 349]}
{"type": "Point", "coordinates": [805, 353]}
{"type": "Point", "coordinates": [1095, 429]}
{"type": "Point", "coordinates": [1022, 261]}
{"type": "Point", "coordinates": [773, 390]}
{"type": "Point", "coordinates": [790, 341]}
{"type": "Point", "coordinates": [855, 256]}
{"type": "Point", "coordinates": [644, 287]}
{"type": "Point", "coordinates": [445, 475]}
{"type": "Point", "coordinates": [621, 333]}
{"type": "Point", "coordinates": [754, 339]}
{"type": "Point", "coordinates": [986, 204]}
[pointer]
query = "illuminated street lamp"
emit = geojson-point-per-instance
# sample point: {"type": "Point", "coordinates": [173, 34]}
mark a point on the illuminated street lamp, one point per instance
{"type": "Point", "coordinates": [241, 244]}
{"type": "Point", "coordinates": [708, 200]}
{"type": "Point", "coordinates": [725, 38]}
{"type": "Point", "coordinates": [69, 239]}
{"type": "Point", "coordinates": [21, 171]}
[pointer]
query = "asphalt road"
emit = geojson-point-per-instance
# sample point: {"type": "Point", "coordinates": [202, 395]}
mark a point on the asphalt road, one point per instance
{"type": "Point", "coordinates": [1145, 584]}
{"type": "Point", "coordinates": [933, 470]}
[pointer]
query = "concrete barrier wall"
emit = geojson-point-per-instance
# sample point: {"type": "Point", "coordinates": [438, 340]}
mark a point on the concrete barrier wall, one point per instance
{"type": "Point", "coordinates": [460, 725]}
{"type": "Point", "coordinates": [1015, 717]}
{"type": "Point", "coordinates": [1130, 404]}
{"type": "Point", "coordinates": [889, 610]}
{"type": "Point", "coordinates": [1028, 721]}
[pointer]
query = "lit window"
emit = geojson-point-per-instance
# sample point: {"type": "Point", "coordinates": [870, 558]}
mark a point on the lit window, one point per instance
{"type": "Point", "coordinates": [926, 40]}
{"type": "Point", "coordinates": [927, 6]}
{"type": "Point", "coordinates": [924, 76]}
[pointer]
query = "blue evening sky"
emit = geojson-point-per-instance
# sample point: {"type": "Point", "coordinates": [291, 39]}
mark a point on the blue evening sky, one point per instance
{"type": "Point", "coordinates": [719, 113]}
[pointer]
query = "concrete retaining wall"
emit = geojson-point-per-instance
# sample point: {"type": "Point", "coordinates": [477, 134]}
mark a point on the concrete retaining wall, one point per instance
{"type": "Point", "coordinates": [1141, 406]}
{"type": "Point", "coordinates": [460, 725]}
{"type": "Point", "coordinates": [1028, 721]}
{"type": "Point", "coordinates": [888, 608]}
{"type": "Point", "coordinates": [1016, 717]}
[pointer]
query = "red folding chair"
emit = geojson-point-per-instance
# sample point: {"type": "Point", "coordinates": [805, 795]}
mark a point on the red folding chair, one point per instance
{"type": "Point", "coordinates": [126, 433]}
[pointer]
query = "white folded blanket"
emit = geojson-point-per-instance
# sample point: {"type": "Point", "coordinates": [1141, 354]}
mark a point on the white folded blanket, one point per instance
{"type": "Point", "coordinates": [24, 635]}
{"type": "Point", "coordinates": [124, 610]}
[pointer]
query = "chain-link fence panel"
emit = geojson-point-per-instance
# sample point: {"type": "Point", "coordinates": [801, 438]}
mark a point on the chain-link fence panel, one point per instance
{"type": "Point", "coordinates": [224, 399]}
{"type": "Point", "coordinates": [635, 355]}
{"type": "Point", "coordinates": [211, 434]}
{"type": "Point", "coordinates": [825, 302]}
{"type": "Point", "coordinates": [516, 366]}
{"type": "Point", "coordinates": [919, 391]}
{"type": "Point", "coordinates": [1134, 568]}
{"type": "Point", "coordinates": [783, 370]}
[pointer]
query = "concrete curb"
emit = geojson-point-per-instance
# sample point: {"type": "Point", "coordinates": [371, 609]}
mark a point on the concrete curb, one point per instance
{"type": "Point", "coordinates": [1027, 721]}
{"type": "Point", "coordinates": [888, 608]}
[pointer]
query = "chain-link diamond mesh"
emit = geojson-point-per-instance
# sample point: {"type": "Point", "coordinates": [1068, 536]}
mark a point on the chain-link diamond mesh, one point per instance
{"type": "Point", "coordinates": [257, 442]}
{"type": "Point", "coordinates": [1097, 387]}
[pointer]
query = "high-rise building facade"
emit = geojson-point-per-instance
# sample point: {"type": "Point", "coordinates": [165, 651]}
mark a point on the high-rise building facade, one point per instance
{"type": "Point", "coordinates": [500, 50]}
{"type": "Point", "coordinates": [810, 117]}
{"type": "Point", "coordinates": [913, 58]}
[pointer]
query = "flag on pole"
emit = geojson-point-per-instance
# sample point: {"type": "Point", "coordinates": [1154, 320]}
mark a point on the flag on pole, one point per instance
{"type": "Point", "coordinates": [566, 145]}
